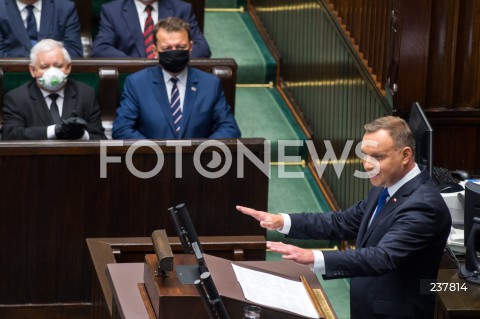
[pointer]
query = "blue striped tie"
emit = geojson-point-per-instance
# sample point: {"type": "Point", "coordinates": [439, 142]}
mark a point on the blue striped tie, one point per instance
{"type": "Point", "coordinates": [175, 106]}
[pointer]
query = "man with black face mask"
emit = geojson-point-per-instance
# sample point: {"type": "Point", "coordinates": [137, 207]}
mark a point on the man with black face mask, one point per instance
{"type": "Point", "coordinates": [172, 100]}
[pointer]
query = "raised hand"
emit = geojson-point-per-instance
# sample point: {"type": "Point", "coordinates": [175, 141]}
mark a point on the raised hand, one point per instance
{"type": "Point", "coordinates": [267, 220]}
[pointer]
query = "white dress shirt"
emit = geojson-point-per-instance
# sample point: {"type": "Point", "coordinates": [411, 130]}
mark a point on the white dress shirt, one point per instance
{"type": "Point", "coordinates": [37, 12]}
{"type": "Point", "coordinates": [181, 85]}
{"type": "Point", "coordinates": [142, 14]}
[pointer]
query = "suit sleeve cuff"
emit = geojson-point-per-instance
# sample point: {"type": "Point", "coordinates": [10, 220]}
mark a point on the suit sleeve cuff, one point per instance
{"type": "Point", "coordinates": [51, 132]}
{"type": "Point", "coordinates": [85, 137]}
{"type": "Point", "coordinates": [287, 224]}
{"type": "Point", "coordinates": [318, 266]}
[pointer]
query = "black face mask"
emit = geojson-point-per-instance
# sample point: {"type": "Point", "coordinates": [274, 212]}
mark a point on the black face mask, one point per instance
{"type": "Point", "coordinates": [174, 61]}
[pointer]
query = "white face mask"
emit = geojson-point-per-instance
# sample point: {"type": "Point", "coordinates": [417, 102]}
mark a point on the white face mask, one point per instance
{"type": "Point", "coordinates": [53, 79]}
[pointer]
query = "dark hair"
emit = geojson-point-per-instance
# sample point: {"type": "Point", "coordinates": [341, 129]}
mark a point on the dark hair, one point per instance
{"type": "Point", "coordinates": [171, 24]}
{"type": "Point", "coordinates": [397, 128]}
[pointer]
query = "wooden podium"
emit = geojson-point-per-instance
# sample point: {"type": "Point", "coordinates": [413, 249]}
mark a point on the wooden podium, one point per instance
{"type": "Point", "coordinates": [168, 297]}
{"type": "Point", "coordinates": [176, 301]}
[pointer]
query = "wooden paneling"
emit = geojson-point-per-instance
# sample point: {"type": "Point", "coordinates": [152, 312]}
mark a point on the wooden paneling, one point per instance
{"type": "Point", "coordinates": [413, 24]}
{"type": "Point", "coordinates": [467, 72]}
{"type": "Point", "coordinates": [420, 51]}
{"type": "Point", "coordinates": [441, 62]}
{"type": "Point", "coordinates": [53, 197]}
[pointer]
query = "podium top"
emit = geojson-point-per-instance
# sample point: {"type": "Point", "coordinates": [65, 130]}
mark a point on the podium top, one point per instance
{"type": "Point", "coordinates": [125, 277]}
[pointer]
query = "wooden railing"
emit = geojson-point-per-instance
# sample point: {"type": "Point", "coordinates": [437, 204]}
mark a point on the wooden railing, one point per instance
{"type": "Point", "coordinates": [434, 58]}
{"type": "Point", "coordinates": [327, 82]}
{"type": "Point", "coordinates": [412, 50]}
{"type": "Point", "coordinates": [367, 24]}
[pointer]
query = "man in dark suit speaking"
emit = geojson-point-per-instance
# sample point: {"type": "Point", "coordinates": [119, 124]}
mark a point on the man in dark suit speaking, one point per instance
{"type": "Point", "coordinates": [400, 229]}
{"type": "Point", "coordinates": [173, 100]}
{"type": "Point", "coordinates": [50, 106]}
{"type": "Point", "coordinates": [124, 27]}
{"type": "Point", "coordinates": [25, 22]}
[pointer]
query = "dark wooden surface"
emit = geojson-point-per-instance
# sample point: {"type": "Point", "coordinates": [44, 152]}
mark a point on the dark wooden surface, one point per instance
{"type": "Point", "coordinates": [128, 302]}
{"type": "Point", "coordinates": [53, 198]}
{"type": "Point", "coordinates": [103, 251]}
{"type": "Point", "coordinates": [457, 304]}
{"type": "Point", "coordinates": [438, 56]}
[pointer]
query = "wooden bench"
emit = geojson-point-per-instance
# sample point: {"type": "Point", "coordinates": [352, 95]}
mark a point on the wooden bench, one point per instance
{"type": "Point", "coordinates": [107, 76]}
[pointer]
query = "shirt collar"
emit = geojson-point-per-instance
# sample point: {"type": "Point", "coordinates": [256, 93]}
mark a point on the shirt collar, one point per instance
{"type": "Point", "coordinates": [182, 76]}
{"type": "Point", "coordinates": [410, 175]}
{"type": "Point", "coordinates": [37, 5]}
{"type": "Point", "coordinates": [141, 7]}
{"type": "Point", "coordinates": [61, 93]}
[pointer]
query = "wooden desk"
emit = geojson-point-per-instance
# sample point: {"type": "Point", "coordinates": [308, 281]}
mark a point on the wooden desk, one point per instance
{"type": "Point", "coordinates": [104, 251]}
{"type": "Point", "coordinates": [460, 304]}
{"type": "Point", "coordinates": [128, 302]}
{"type": "Point", "coordinates": [124, 280]}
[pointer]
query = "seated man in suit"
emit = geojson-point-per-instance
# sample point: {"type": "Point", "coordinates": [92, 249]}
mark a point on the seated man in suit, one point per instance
{"type": "Point", "coordinates": [25, 22]}
{"type": "Point", "coordinates": [400, 229]}
{"type": "Point", "coordinates": [50, 106]}
{"type": "Point", "coordinates": [126, 26]}
{"type": "Point", "coordinates": [173, 100]}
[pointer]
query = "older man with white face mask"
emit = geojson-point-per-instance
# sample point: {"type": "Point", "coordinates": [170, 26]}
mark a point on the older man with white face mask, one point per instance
{"type": "Point", "coordinates": [51, 106]}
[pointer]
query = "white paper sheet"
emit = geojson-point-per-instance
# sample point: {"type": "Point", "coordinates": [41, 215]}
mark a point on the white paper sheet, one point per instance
{"type": "Point", "coordinates": [275, 292]}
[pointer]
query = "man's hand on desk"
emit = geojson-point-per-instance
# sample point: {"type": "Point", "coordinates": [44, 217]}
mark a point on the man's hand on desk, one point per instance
{"type": "Point", "coordinates": [267, 220]}
{"type": "Point", "coordinates": [290, 252]}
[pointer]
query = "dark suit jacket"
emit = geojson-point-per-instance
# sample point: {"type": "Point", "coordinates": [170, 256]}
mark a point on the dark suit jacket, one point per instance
{"type": "Point", "coordinates": [59, 21]}
{"type": "Point", "coordinates": [402, 247]}
{"type": "Point", "coordinates": [26, 114]}
{"type": "Point", "coordinates": [144, 110]}
{"type": "Point", "coordinates": [120, 34]}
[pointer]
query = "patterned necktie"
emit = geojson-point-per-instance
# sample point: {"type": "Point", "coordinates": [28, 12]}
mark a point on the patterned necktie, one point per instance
{"type": "Point", "coordinates": [175, 106]}
{"type": "Point", "coordinates": [148, 34]}
{"type": "Point", "coordinates": [31, 25]}
{"type": "Point", "coordinates": [54, 108]}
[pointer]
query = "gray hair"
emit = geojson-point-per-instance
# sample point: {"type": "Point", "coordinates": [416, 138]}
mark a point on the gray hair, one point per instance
{"type": "Point", "coordinates": [47, 45]}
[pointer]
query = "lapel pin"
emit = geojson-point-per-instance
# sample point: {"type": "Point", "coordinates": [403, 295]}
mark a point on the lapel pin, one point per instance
{"type": "Point", "coordinates": [194, 89]}
{"type": "Point", "coordinates": [394, 200]}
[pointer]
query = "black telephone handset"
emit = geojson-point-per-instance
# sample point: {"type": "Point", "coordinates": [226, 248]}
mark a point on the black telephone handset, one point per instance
{"type": "Point", "coordinates": [470, 271]}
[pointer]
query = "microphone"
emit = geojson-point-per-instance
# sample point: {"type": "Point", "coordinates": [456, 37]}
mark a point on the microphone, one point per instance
{"type": "Point", "coordinates": [209, 294]}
